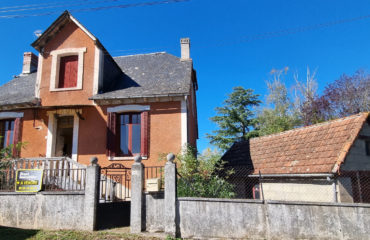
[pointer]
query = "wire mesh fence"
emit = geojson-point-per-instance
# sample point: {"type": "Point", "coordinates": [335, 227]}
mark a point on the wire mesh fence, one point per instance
{"type": "Point", "coordinates": [242, 183]}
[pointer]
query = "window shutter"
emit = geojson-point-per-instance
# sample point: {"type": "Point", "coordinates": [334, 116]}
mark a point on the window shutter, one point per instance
{"type": "Point", "coordinates": [68, 72]}
{"type": "Point", "coordinates": [111, 134]}
{"type": "Point", "coordinates": [144, 133]}
{"type": "Point", "coordinates": [17, 135]}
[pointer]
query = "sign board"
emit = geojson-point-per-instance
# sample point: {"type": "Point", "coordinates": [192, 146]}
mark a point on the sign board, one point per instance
{"type": "Point", "coordinates": [28, 180]}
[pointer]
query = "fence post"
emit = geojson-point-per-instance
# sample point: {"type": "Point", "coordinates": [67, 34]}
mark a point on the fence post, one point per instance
{"type": "Point", "coordinates": [170, 196]}
{"type": "Point", "coordinates": [91, 193]}
{"type": "Point", "coordinates": [137, 181]}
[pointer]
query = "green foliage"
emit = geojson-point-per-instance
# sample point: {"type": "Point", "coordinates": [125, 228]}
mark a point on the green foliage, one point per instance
{"type": "Point", "coordinates": [279, 115]}
{"type": "Point", "coordinates": [235, 119]}
{"type": "Point", "coordinates": [203, 176]}
{"type": "Point", "coordinates": [7, 153]}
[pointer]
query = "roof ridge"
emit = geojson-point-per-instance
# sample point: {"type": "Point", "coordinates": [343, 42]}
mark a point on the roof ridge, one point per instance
{"type": "Point", "coordinates": [153, 53]}
{"type": "Point", "coordinates": [314, 125]}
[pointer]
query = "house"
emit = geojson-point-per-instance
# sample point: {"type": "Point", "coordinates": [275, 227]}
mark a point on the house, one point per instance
{"type": "Point", "coordinates": [74, 99]}
{"type": "Point", "coordinates": [326, 162]}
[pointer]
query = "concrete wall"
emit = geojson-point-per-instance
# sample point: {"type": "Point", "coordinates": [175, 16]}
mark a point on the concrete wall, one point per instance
{"type": "Point", "coordinates": [42, 210]}
{"type": "Point", "coordinates": [225, 218]}
{"type": "Point", "coordinates": [299, 190]}
{"type": "Point", "coordinates": [154, 213]}
{"type": "Point", "coordinates": [53, 210]}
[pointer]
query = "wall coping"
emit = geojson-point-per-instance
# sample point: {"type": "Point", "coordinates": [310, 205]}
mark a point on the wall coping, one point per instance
{"type": "Point", "coordinates": [187, 199]}
{"type": "Point", "coordinates": [44, 193]}
{"type": "Point", "coordinates": [365, 205]}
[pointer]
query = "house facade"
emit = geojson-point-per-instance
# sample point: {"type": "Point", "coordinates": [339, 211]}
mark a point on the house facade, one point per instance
{"type": "Point", "coordinates": [326, 162]}
{"type": "Point", "coordinates": [74, 99]}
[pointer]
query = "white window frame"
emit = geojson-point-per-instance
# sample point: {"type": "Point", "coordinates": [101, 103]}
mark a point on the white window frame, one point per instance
{"type": "Point", "coordinates": [55, 67]}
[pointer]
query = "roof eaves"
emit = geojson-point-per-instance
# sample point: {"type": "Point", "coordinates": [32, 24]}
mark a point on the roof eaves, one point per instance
{"type": "Point", "coordinates": [96, 97]}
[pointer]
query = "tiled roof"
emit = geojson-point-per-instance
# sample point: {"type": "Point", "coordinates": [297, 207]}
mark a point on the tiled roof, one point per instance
{"type": "Point", "coordinates": [147, 75]}
{"type": "Point", "coordinates": [19, 90]}
{"type": "Point", "coordinates": [314, 149]}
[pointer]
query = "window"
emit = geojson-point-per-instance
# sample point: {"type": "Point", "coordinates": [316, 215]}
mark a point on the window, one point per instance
{"type": "Point", "coordinates": [10, 129]}
{"type": "Point", "coordinates": [67, 69]}
{"type": "Point", "coordinates": [6, 132]}
{"type": "Point", "coordinates": [127, 134]}
{"type": "Point", "coordinates": [68, 72]}
{"type": "Point", "coordinates": [367, 146]}
{"type": "Point", "coordinates": [129, 128]}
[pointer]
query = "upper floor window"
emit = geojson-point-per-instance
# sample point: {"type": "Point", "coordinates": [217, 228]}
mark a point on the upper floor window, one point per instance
{"type": "Point", "coordinates": [67, 69]}
{"type": "Point", "coordinates": [367, 146]}
{"type": "Point", "coordinates": [6, 133]}
{"type": "Point", "coordinates": [68, 72]}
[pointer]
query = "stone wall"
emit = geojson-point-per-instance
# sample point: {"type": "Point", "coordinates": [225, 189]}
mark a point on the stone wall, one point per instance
{"type": "Point", "coordinates": [238, 218]}
{"type": "Point", "coordinates": [53, 210]}
{"type": "Point", "coordinates": [42, 210]}
{"type": "Point", "coordinates": [226, 218]}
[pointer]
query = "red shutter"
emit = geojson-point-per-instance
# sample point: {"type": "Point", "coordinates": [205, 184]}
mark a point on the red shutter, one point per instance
{"type": "Point", "coordinates": [144, 133]}
{"type": "Point", "coordinates": [17, 135]}
{"type": "Point", "coordinates": [68, 72]}
{"type": "Point", "coordinates": [111, 134]}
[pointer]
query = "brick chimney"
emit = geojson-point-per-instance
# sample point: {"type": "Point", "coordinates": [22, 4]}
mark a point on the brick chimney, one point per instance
{"type": "Point", "coordinates": [185, 48]}
{"type": "Point", "coordinates": [30, 62]}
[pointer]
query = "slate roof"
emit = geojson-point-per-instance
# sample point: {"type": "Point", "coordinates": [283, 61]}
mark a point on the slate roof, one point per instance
{"type": "Point", "coordinates": [145, 75]}
{"type": "Point", "coordinates": [148, 75]}
{"type": "Point", "coordinates": [314, 149]}
{"type": "Point", "coordinates": [19, 90]}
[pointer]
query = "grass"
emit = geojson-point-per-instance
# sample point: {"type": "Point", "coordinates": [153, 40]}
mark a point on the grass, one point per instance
{"type": "Point", "coordinates": [7, 233]}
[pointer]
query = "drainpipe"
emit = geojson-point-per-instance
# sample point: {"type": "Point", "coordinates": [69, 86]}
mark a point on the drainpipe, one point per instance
{"type": "Point", "coordinates": [334, 185]}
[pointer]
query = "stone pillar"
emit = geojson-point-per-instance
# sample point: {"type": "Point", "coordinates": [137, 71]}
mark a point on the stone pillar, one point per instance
{"type": "Point", "coordinates": [137, 183]}
{"type": "Point", "coordinates": [170, 196]}
{"type": "Point", "coordinates": [91, 194]}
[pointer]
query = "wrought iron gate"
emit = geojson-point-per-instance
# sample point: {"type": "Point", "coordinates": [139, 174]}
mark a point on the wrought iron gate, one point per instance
{"type": "Point", "coordinates": [115, 183]}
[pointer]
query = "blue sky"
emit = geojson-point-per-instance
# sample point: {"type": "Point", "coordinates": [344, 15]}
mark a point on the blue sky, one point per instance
{"type": "Point", "coordinates": [220, 31]}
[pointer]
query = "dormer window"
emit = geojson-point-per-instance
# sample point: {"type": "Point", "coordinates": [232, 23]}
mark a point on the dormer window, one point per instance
{"type": "Point", "coordinates": [67, 69]}
{"type": "Point", "coordinates": [68, 72]}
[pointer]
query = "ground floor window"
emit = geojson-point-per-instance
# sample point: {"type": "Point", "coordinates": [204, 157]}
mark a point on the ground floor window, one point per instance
{"type": "Point", "coordinates": [6, 132]}
{"type": "Point", "coordinates": [129, 134]}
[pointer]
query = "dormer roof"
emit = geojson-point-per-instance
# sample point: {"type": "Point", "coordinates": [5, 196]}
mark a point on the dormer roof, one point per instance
{"type": "Point", "coordinates": [56, 26]}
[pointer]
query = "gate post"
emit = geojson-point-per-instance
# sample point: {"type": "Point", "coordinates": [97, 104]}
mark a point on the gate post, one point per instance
{"type": "Point", "coordinates": [170, 196]}
{"type": "Point", "coordinates": [137, 183]}
{"type": "Point", "coordinates": [91, 193]}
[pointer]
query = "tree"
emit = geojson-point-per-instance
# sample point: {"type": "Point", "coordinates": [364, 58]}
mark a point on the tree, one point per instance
{"type": "Point", "coordinates": [348, 95]}
{"type": "Point", "coordinates": [309, 106]}
{"type": "Point", "coordinates": [200, 176]}
{"type": "Point", "coordinates": [235, 119]}
{"type": "Point", "coordinates": [279, 115]}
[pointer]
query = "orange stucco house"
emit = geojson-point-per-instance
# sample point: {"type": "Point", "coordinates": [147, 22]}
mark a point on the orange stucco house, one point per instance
{"type": "Point", "coordinates": [74, 99]}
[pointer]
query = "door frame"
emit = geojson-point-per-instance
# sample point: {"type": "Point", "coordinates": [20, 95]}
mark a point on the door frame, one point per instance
{"type": "Point", "coordinates": [52, 131]}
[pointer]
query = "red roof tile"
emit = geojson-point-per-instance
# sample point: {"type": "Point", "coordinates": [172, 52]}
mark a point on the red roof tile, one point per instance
{"type": "Point", "coordinates": [312, 149]}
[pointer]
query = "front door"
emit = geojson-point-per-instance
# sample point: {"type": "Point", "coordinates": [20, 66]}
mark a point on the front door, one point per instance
{"type": "Point", "coordinates": [64, 137]}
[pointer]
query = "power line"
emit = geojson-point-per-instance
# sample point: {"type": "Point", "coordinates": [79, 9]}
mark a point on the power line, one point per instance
{"type": "Point", "coordinates": [36, 5]}
{"type": "Point", "coordinates": [59, 5]}
{"type": "Point", "coordinates": [129, 5]}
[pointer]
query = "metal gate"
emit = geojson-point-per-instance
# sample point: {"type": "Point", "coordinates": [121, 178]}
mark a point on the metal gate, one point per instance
{"type": "Point", "coordinates": [115, 183]}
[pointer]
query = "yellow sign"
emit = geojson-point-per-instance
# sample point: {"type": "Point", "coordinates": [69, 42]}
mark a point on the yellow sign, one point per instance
{"type": "Point", "coordinates": [28, 180]}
